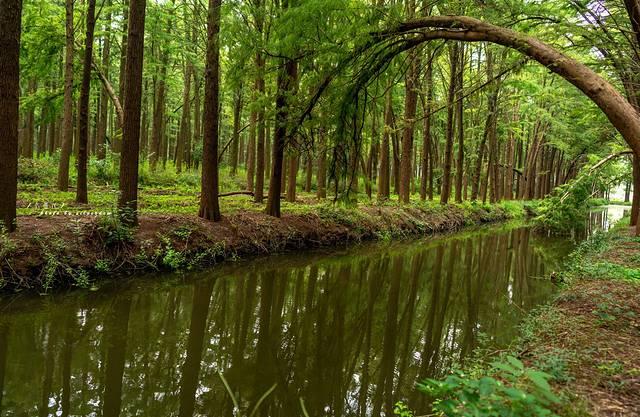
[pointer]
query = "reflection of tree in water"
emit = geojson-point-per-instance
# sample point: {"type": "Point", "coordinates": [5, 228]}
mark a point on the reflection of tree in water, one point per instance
{"type": "Point", "coordinates": [348, 335]}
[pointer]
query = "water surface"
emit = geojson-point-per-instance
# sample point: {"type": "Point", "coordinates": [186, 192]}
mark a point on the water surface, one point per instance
{"type": "Point", "coordinates": [339, 333]}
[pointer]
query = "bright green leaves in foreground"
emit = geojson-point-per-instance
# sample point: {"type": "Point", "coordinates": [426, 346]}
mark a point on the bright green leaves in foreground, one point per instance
{"type": "Point", "coordinates": [509, 389]}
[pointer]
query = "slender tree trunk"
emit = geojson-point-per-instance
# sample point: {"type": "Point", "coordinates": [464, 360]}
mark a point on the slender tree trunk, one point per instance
{"type": "Point", "coordinates": [209, 205]}
{"type": "Point", "coordinates": [308, 172]}
{"type": "Point", "coordinates": [448, 155]}
{"type": "Point", "coordinates": [27, 148]}
{"type": "Point", "coordinates": [410, 104]}
{"type": "Point", "coordinates": [185, 123]}
{"type": "Point", "coordinates": [260, 146]}
{"type": "Point", "coordinates": [293, 176]}
{"type": "Point", "coordinates": [104, 96]}
{"type": "Point", "coordinates": [158, 127]}
{"type": "Point", "coordinates": [83, 108]}
{"type": "Point", "coordinates": [67, 118]}
{"type": "Point", "coordinates": [286, 79]}
{"type": "Point", "coordinates": [235, 140]}
{"type": "Point", "coordinates": [10, 22]}
{"type": "Point", "coordinates": [322, 166]}
{"type": "Point", "coordinates": [251, 150]}
{"type": "Point", "coordinates": [129, 157]}
{"type": "Point", "coordinates": [427, 159]}
{"type": "Point", "coordinates": [383, 181]}
{"type": "Point", "coordinates": [460, 124]}
{"type": "Point", "coordinates": [197, 130]}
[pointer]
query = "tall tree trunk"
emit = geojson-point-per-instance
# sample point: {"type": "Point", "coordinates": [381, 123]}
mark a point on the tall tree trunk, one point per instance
{"type": "Point", "coordinates": [286, 79]}
{"type": "Point", "coordinates": [292, 178]}
{"type": "Point", "coordinates": [308, 172]}
{"type": "Point", "coordinates": [251, 150]}
{"type": "Point", "coordinates": [322, 165]}
{"type": "Point", "coordinates": [410, 104]}
{"type": "Point", "coordinates": [158, 127]}
{"type": "Point", "coordinates": [197, 129]}
{"type": "Point", "coordinates": [83, 108]}
{"type": "Point", "coordinates": [67, 118]}
{"type": "Point", "coordinates": [448, 154]}
{"type": "Point", "coordinates": [383, 177]}
{"type": "Point", "coordinates": [185, 123]}
{"type": "Point", "coordinates": [209, 205]}
{"type": "Point", "coordinates": [460, 124]}
{"type": "Point", "coordinates": [235, 140]}
{"type": "Point", "coordinates": [260, 146]}
{"type": "Point", "coordinates": [27, 148]}
{"type": "Point", "coordinates": [427, 156]}
{"type": "Point", "coordinates": [10, 22]}
{"type": "Point", "coordinates": [101, 133]}
{"type": "Point", "coordinates": [129, 157]}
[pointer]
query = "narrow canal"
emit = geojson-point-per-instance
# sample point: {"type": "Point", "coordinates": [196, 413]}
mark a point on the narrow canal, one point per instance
{"type": "Point", "coordinates": [325, 333]}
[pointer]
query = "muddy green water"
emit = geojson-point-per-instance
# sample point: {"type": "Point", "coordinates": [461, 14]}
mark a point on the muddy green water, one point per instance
{"type": "Point", "coordinates": [340, 333]}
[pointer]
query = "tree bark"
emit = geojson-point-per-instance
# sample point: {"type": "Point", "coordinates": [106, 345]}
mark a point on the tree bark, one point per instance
{"type": "Point", "coordinates": [10, 22]}
{"type": "Point", "coordinates": [209, 204]}
{"type": "Point", "coordinates": [460, 123]}
{"type": "Point", "coordinates": [67, 118]}
{"type": "Point", "coordinates": [410, 104]}
{"type": "Point", "coordinates": [427, 156]}
{"type": "Point", "coordinates": [83, 108]}
{"type": "Point", "coordinates": [383, 176]}
{"type": "Point", "coordinates": [157, 130]}
{"type": "Point", "coordinates": [322, 166]}
{"type": "Point", "coordinates": [185, 123]}
{"type": "Point", "coordinates": [101, 133]}
{"type": "Point", "coordinates": [237, 113]}
{"type": "Point", "coordinates": [448, 153]}
{"type": "Point", "coordinates": [286, 79]}
{"type": "Point", "coordinates": [260, 145]}
{"type": "Point", "coordinates": [129, 156]}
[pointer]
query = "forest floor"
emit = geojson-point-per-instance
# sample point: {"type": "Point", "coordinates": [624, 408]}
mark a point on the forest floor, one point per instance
{"type": "Point", "coordinates": [589, 338]}
{"type": "Point", "coordinates": [61, 244]}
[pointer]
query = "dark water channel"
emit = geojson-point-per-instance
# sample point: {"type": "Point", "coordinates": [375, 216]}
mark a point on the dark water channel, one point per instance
{"type": "Point", "coordinates": [338, 333]}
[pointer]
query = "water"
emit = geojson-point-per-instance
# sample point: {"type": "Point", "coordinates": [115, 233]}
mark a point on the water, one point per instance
{"type": "Point", "coordinates": [341, 333]}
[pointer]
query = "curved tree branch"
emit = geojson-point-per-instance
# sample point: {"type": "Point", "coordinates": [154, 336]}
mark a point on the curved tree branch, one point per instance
{"type": "Point", "coordinates": [618, 110]}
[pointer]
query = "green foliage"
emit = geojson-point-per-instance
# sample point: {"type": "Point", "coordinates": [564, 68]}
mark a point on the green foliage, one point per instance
{"type": "Point", "coordinates": [402, 410]}
{"type": "Point", "coordinates": [113, 231]}
{"type": "Point", "coordinates": [566, 209]}
{"type": "Point", "coordinates": [508, 389]}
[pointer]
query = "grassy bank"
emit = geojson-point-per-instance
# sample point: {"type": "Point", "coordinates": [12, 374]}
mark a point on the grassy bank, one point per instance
{"type": "Point", "coordinates": [578, 356]}
{"type": "Point", "coordinates": [57, 249]}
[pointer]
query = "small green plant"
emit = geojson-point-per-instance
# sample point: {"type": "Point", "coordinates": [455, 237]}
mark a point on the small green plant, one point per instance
{"type": "Point", "coordinates": [555, 363]}
{"type": "Point", "coordinates": [7, 246]}
{"type": "Point", "coordinates": [103, 265]}
{"type": "Point", "coordinates": [402, 410]}
{"type": "Point", "coordinates": [509, 389]}
{"type": "Point", "coordinates": [113, 230]}
{"type": "Point", "coordinates": [173, 259]}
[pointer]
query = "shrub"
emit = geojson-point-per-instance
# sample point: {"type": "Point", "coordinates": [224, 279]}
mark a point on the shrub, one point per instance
{"type": "Point", "coordinates": [509, 389]}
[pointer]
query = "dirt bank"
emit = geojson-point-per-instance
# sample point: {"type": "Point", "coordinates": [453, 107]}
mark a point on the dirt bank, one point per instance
{"type": "Point", "coordinates": [54, 252]}
{"type": "Point", "coordinates": [589, 339]}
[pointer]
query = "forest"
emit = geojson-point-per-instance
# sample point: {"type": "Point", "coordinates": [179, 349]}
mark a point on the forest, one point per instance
{"type": "Point", "coordinates": [174, 139]}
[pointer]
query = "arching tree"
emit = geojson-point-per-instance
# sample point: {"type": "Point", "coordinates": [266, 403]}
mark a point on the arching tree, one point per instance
{"type": "Point", "coordinates": [618, 110]}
